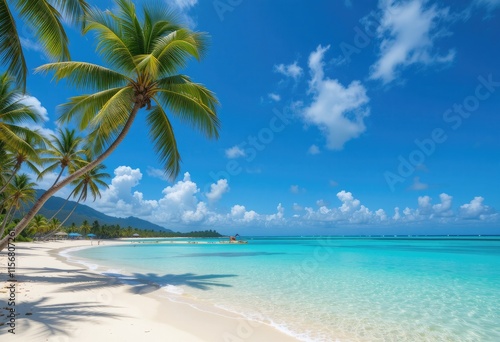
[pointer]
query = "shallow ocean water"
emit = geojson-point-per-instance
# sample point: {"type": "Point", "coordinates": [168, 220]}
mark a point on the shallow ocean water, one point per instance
{"type": "Point", "coordinates": [328, 289]}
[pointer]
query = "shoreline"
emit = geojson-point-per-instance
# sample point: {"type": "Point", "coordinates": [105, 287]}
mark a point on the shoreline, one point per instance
{"type": "Point", "coordinates": [60, 300]}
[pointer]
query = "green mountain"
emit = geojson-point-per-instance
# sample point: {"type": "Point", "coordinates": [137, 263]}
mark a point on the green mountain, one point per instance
{"type": "Point", "coordinates": [84, 212]}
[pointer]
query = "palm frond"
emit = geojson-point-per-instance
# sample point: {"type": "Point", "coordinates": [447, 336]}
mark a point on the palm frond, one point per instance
{"type": "Point", "coordinates": [174, 49]}
{"type": "Point", "coordinates": [73, 10]}
{"type": "Point", "coordinates": [48, 28]}
{"type": "Point", "coordinates": [84, 107]}
{"type": "Point", "coordinates": [192, 103]}
{"type": "Point", "coordinates": [162, 134]}
{"type": "Point", "coordinates": [84, 75]}
{"type": "Point", "coordinates": [11, 51]}
{"type": "Point", "coordinates": [111, 45]}
{"type": "Point", "coordinates": [106, 124]}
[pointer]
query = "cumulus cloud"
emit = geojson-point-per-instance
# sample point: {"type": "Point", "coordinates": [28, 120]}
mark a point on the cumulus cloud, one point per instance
{"type": "Point", "coordinates": [407, 33]}
{"type": "Point", "coordinates": [239, 213]}
{"type": "Point", "coordinates": [182, 204]}
{"type": "Point", "coordinates": [338, 111]}
{"type": "Point", "coordinates": [119, 200]}
{"type": "Point", "coordinates": [234, 152]}
{"type": "Point", "coordinates": [217, 190]}
{"type": "Point", "coordinates": [475, 209]}
{"type": "Point", "coordinates": [351, 211]}
{"type": "Point", "coordinates": [37, 106]}
{"type": "Point", "coordinates": [291, 70]}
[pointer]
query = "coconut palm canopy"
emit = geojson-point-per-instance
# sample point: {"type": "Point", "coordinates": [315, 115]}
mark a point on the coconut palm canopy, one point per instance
{"type": "Point", "coordinates": [143, 58]}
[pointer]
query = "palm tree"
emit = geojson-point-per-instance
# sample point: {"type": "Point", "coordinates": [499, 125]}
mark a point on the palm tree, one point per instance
{"type": "Point", "coordinates": [144, 57]}
{"type": "Point", "coordinates": [38, 225]}
{"type": "Point", "coordinates": [6, 166]}
{"type": "Point", "coordinates": [53, 224]}
{"type": "Point", "coordinates": [21, 191]}
{"type": "Point", "coordinates": [89, 181]}
{"type": "Point", "coordinates": [13, 113]}
{"type": "Point", "coordinates": [20, 158]}
{"type": "Point", "coordinates": [44, 17]}
{"type": "Point", "coordinates": [64, 152]}
{"type": "Point", "coordinates": [85, 228]}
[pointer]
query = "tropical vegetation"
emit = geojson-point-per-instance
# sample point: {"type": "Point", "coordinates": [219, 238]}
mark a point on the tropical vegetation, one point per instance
{"type": "Point", "coordinates": [143, 55]}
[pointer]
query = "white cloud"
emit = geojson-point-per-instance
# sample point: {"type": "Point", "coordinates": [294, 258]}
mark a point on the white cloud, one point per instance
{"type": "Point", "coordinates": [321, 203]}
{"type": "Point", "coordinates": [274, 97]}
{"type": "Point", "coordinates": [36, 106]}
{"type": "Point", "coordinates": [351, 211]}
{"type": "Point", "coordinates": [348, 201]}
{"type": "Point", "coordinates": [183, 4]}
{"type": "Point", "coordinates": [156, 173]}
{"type": "Point", "coordinates": [217, 190]}
{"type": "Point", "coordinates": [119, 200]}
{"type": "Point", "coordinates": [313, 149]}
{"type": "Point", "coordinates": [234, 152]}
{"type": "Point", "coordinates": [418, 185]}
{"type": "Point", "coordinates": [407, 32]}
{"type": "Point", "coordinates": [338, 111]}
{"type": "Point", "coordinates": [475, 209]}
{"type": "Point", "coordinates": [239, 213]}
{"type": "Point", "coordinates": [279, 216]}
{"type": "Point", "coordinates": [181, 204]}
{"type": "Point", "coordinates": [443, 208]}
{"type": "Point", "coordinates": [291, 70]}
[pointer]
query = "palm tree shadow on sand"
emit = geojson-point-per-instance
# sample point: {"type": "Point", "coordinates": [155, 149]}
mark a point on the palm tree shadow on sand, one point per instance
{"type": "Point", "coordinates": [146, 283]}
{"type": "Point", "coordinates": [54, 317]}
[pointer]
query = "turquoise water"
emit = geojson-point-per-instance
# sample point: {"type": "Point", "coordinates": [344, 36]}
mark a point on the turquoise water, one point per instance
{"type": "Point", "coordinates": [327, 289]}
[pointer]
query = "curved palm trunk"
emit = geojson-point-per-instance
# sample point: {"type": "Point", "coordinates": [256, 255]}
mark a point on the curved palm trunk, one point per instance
{"type": "Point", "coordinates": [16, 169]}
{"type": "Point", "coordinates": [64, 204]}
{"type": "Point", "coordinates": [5, 220]}
{"type": "Point", "coordinates": [59, 176]}
{"type": "Point", "coordinates": [51, 233]}
{"type": "Point", "coordinates": [56, 187]}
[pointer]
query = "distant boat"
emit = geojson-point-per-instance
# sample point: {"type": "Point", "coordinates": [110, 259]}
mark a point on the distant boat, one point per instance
{"type": "Point", "coordinates": [236, 242]}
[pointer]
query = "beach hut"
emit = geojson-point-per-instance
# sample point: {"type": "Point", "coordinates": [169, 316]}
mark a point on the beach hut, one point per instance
{"type": "Point", "coordinates": [61, 235]}
{"type": "Point", "coordinates": [136, 235]}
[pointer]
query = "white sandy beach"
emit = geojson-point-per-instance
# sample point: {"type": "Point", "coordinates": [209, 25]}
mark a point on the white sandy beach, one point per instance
{"type": "Point", "coordinates": [59, 301]}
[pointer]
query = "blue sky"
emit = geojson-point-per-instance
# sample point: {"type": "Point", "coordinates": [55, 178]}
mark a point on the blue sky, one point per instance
{"type": "Point", "coordinates": [345, 117]}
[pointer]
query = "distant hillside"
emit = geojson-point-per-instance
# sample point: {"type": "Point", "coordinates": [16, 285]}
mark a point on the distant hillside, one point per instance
{"type": "Point", "coordinates": [84, 212]}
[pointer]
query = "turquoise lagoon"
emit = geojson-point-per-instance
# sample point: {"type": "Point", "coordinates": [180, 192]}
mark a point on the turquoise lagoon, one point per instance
{"type": "Point", "coordinates": [329, 288]}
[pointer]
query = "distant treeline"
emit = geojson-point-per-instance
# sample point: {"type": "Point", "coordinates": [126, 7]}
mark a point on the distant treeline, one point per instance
{"type": "Point", "coordinates": [115, 231]}
{"type": "Point", "coordinates": [41, 229]}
